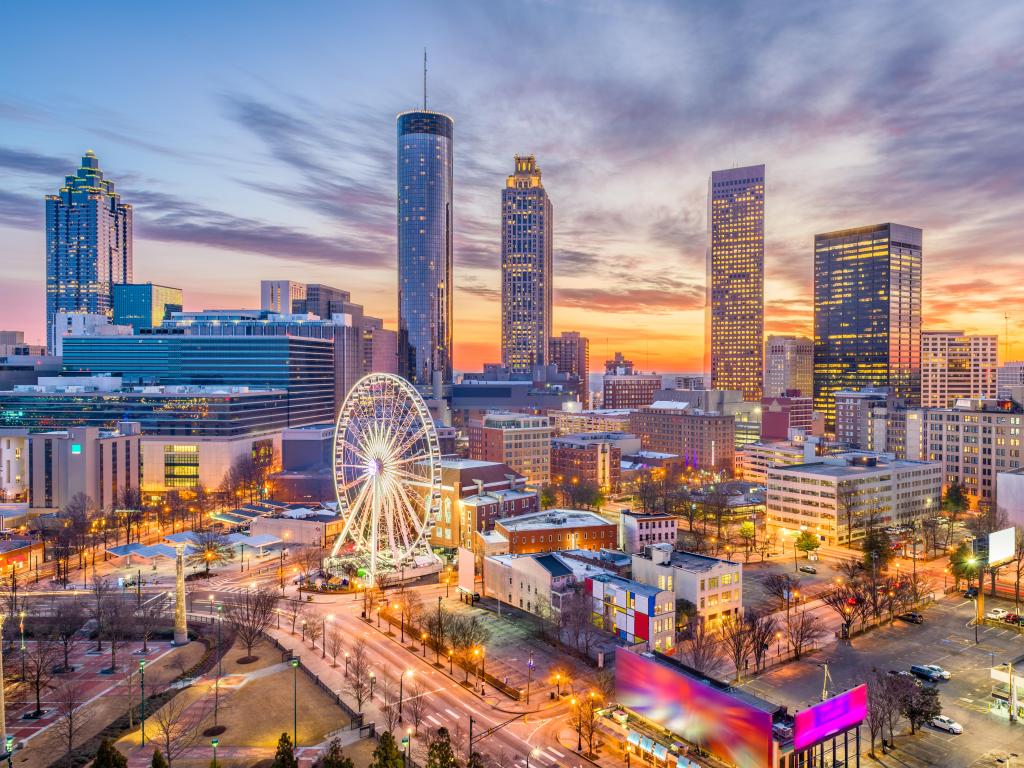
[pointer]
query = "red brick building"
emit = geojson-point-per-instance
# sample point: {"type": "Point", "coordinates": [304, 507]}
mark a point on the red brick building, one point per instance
{"type": "Point", "coordinates": [556, 529]}
{"type": "Point", "coordinates": [592, 457]}
{"type": "Point", "coordinates": [704, 440]}
{"type": "Point", "coordinates": [781, 414]}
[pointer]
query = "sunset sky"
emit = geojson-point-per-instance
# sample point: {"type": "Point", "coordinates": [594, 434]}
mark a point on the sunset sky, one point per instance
{"type": "Point", "coordinates": [257, 141]}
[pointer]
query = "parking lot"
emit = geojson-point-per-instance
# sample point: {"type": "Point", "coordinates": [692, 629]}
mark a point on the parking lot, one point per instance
{"type": "Point", "coordinates": [945, 638]}
{"type": "Point", "coordinates": [754, 575]}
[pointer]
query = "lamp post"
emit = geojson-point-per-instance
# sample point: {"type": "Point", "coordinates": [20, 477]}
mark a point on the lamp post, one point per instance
{"type": "Point", "coordinates": [529, 677]}
{"type": "Point", "coordinates": [295, 703]}
{"type": "Point", "coordinates": [423, 642]}
{"type": "Point", "coordinates": [214, 743]}
{"type": "Point", "coordinates": [579, 723]}
{"type": "Point", "coordinates": [451, 668]}
{"type": "Point", "coordinates": [303, 630]}
{"type": "Point", "coordinates": [323, 637]}
{"type": "Point", "coordinates": [401, 691]}
{"type": "Point", "coordinates": [21, 628]}
{"type": "Point", "coordinates": [142, 686]}
{"type": "Point", "coordinates": [440, 634]}
{"type": "Point", "coordinates": [346, 663]}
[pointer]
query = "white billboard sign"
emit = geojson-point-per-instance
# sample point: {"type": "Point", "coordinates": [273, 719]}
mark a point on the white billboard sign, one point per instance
{"type": "Point", "coordinates": [1001, 546]}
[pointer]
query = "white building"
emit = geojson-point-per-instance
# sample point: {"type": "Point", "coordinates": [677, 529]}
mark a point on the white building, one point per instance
{"type": "Point", "coordinates": [788, 365]}
{"type": "Point", "coordinates": [82, 324]}
{"type": "Point", "coordinates": [1010, 496]}
{"type": "Point", "coordinates": [956, 365]}
{"type": "Point", "coordinates": [837, 493]}
{"type": "Point", "coordinates": [713, 585]}
{"type": "Point", "coordinates": [639, 530]}
{"type": "Point", "coordinates": [754, 459]}
{"type": "Point", "coordinates": [535, 583]}
{"type": "Point", "coordinates": [1009, 377]}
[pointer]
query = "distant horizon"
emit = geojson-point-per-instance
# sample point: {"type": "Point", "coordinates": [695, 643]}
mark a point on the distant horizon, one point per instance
{"type": "Point", "coordinates": [259, 148]}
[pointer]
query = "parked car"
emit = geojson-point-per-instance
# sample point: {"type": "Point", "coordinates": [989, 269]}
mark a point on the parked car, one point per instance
{"type": "Point", "coordinates": [943, 673]}
{"type": "Point", "coordinates": [997, 613]}
{"type": "Point", "coordinates": [1013, 618]}
{"type": "Point", "coordinates": [971, 593]}
{"type": "Point", "coordinates": [925, 673]}
{"type": "Point", "coordinates": [912, 616]}
{"type": "Point", "coordinates": [808, 569]}
{"type": "Point", "coordinates": [947, 724]}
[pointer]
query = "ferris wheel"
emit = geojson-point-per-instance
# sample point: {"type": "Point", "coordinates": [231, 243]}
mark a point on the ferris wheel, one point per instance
{"type": "Point", "coordinates": [387, 472]}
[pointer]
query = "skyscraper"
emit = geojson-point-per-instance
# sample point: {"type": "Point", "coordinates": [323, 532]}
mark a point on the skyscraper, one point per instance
{"type": "Point", "coordinates": [867, 313]}
{"type": "Point", "coordinates": [88, 243]}
{"type": "Point", "coordinates": [789, 364]}
{"type": "Point", "coordinates": [526, 270]}
{"type": "Point", "coordinates": [734, 323]}
{"type": "Point", "coordinates": [425, 179]}
{"type": "Point", "coordinates": [955, 365]}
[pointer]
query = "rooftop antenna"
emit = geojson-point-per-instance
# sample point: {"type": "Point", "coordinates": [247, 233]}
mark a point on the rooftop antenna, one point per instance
{"type": "Point", "coordinates": [424, 79]}
{"type": "Point", "coordinates": [1006, 337]}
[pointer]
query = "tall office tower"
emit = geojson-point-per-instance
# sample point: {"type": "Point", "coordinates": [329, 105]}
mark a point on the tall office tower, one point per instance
{"type": "Point", "coordinates": [88, 243]}
{"type": "Point", "coordinates": [570, 353]}
{"type": "Point", "coordinates": [425, 180]}
{"type": "Point", "coordinates": [145, 305]}
{"type": "Point", "coordinates": [955, 365]}
{"type": "Point", "coordinates": [788, 365]}
{"type": "Point", "coordinates": [286, 297]}
{"type": "Point", "coordinates": [526, 270]}
{"type": "Point", "coordinates": [734, 322]}
{"type": "Point", "coordinates": [867, 313]}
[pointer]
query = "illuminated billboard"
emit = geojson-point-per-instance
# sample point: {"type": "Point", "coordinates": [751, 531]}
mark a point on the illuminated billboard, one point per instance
{"type": "Point", "coordinates": [724, 725]}
{"type": "Point", "coordinates": [1001, 546]}
{"type": "Point", "coordinates": [825, 720]}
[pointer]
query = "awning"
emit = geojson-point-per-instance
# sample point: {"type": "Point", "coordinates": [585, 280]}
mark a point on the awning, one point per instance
{"type": "Point", "coordinates": [659, 751]}
{"type": "Point", "coordinates": [633, 738]}
{"type": "Point", "coordinates": [646, 744]}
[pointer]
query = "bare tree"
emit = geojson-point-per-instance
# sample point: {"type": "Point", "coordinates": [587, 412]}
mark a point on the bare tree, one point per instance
{"type": "Point", "coordinates": [294, 610]}
{"type": "Point", "coordinates": [701, 649]}
{"type": "Point", "coordinates": [41, 658]}
{"type": "Point", "coordinates": [417, 704]}
{"type": "Point", "coordinates": [70, 717]}
{"type": "Point", "coordinates": [310, 560]}
{"type": "Point", "coordinates": [176, 725]}
{"type": "Point", "coordinates": [738, 641]}
{"type": "Point", "coordinates": [116, 623]}
{"type": "Point", "coordinates": [804, 629]}
{"type": "Point", "coordinates": [313, 631]}
{"type": "Point", "coordinates": [335, 642]}
{"type": "Point", "coordinates": [358, 682]}
{"type": "Point", "coordinates": [68, 618]}
{"type": "Point", "coordinates": [877, 706]}
{"type": "Point", "coordinates": [250, 616]}
{"type": "Point", "coordinates": [390, 704]}
{"type": "Point", "coordinates": [762, 633]}
{"type": "Point", "coordinates": [583, 717]}
{"type": "Point", "coordinates": [782, 587]}
{"type": "Point", "coordinates": [101, 593]}
{"type": "Point", "coordinates": [147, 619]}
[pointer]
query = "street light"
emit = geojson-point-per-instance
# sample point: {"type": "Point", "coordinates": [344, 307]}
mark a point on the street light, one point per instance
{"type": "Point", "coordinates": [214, 743]}
{"type": "Point", "coordinates": [401, 691]}
{"type": "Point", "coordinates": [423, 642]}
{"type": "Point", "coordinates": [579, 723]}
{"type": "Point", "coordinates": [295, 703]}
{"type": "Point", "coordinates": [529, 677]}
{"type": "Point", "coordinates": [346, 663]}
{"type": "Point", "coordinates": [533, 752]}
{"type": "Point", "coordinates": [142, 685]}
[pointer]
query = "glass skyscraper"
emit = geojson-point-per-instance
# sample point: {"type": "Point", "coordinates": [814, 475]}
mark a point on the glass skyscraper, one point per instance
{"type": "Point", "coordinates": [527, 227]}
{"type": "Point", "coordinates": [867, 313]}
{"type": "Point", "coordinates": [144, 305]}
{"type": "Point", "coordinates": [88, 243]}
{"type": "Point", "coordinates": [734, 322]}
{"type": "Point", "coordinates": [425, 182]}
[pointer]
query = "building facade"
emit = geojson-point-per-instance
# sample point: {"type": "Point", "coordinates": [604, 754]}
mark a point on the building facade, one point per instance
{"type": "Point", "coordinates": [853, 415]}
{"type": "Point", "coordinates": [785, 412]}
{"type": "Point", "coordinates": [555, 529]}
{"type": "Point", "coordinates": [788, 365]}
{"type": "Point", "coordinates": [734, 321]}
{"type": "Point", "coordinates": [839, 497]}
{"type": "Point", "coordinates": [88, 243]}
{"type": "Point", "coordinates": [572, 422]}
{"type": "Point", "coordinates": [594, 457]}
{"type": "Point", "coordinates": [570, 354]}
{"type": "Point", "coordinates": [956, 365]}
{"type": "Point", "coordinates": [712, 585]}
{"type": "Point", "coordinates": [144, 305]}
{"type": "Point", "coordinates": [1009, 377]}
{"type": "Point", "coordinates": [974, 441]}
{"type": "Point", "coordinates": [625, 387]}
{"type": "Point", "coordinates": [633, 612]}
{"type": "Point", "coordinates": [704, 440]}
{"type": "Point", "coordinates": [519, 440]}
{"type": "Point", "coordinates": [640, 530]}
{"type": "Point", "coordinates": [527, 229]}
{"type": "Point", "coordinates": [425, 233]}
{"type": "Point", "coordinates": [867, 313]}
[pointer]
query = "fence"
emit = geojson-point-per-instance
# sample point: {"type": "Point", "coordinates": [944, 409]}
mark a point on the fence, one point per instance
{"type": "Point", "coordinates": [355, 718]}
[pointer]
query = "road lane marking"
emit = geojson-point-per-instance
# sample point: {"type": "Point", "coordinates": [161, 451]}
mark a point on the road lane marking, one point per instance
{"type": "Point", "coordinates": [456, 715]}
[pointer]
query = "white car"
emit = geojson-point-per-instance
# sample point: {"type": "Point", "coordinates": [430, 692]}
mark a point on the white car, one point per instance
{"type": "Point", "coordinates": [997, 613]}
{"type": "Point", "coordinates": [943, 673]}
{"type": "Point", "coordinates": [947, 724]}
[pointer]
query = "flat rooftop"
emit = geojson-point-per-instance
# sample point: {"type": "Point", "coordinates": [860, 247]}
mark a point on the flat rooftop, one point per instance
{"type": "Point", "coordinates": [553, 518]}
{"type": "Point", "coordinates": [628, 584]}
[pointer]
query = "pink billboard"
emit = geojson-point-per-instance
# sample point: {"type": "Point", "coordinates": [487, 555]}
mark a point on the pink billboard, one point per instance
{"type": "Point", "coordinates": [824, 720]}
{"type": "Point", "coordinates": [727, 727]}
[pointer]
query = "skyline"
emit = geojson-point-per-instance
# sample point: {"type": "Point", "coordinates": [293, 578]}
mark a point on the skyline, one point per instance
{"type": "Point", "coordinates": [281, 169]}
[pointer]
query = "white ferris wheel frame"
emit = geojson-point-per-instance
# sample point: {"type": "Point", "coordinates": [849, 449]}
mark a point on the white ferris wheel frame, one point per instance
{"type": "Point", "coordinates": [384, 429]}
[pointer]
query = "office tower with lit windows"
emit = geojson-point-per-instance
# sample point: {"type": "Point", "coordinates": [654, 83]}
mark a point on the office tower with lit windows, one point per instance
{"type": "Point", "coordinates": [88, 243]}
{"type": "Point", "coordinates": [145, 305]}
{"type": "Point", "coordinates": [788, 365]}
{"type": "Point", "coordinates": [425, 230]}
{"type": "Point", "coordinates": [867, 313]}
{"type": "Point", "coordinates": [955, 365]}
{"type": "Point", "coordinates": [734, 322]}
{"type": "Point", "coordinates": [526, 269]}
